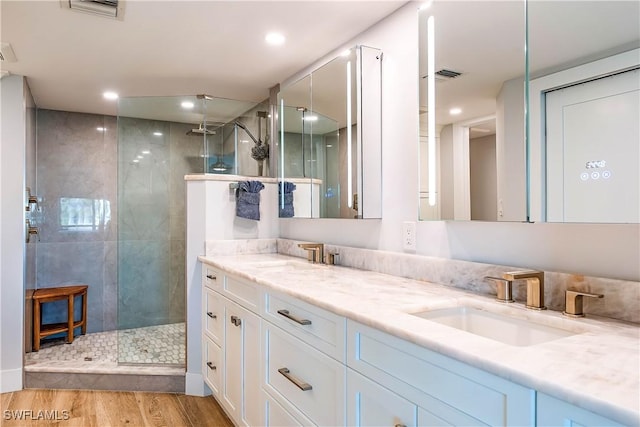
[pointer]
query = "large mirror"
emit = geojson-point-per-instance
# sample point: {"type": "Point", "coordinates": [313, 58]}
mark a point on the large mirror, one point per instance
{"type": "Point", "coordinates": [329, 145]}
{"type": "Point", "coordinates": [584, 111]}
{"type": "Point", "coordinates": [472, 111]}
{"type": "Point", "coordinates": [484, 163]}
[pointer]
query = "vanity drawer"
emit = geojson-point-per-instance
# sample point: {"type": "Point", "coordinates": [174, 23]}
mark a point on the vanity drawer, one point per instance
{"type": "Point", "coordinates": [244, 293]}
{"type": "Point", "coordinates": [213, 315]}
{"type": "Point", "coordinates": [212, 278]}
{"type": "Point", "coordinates": [298, 374]}
{"type": "Point", "coordinates": [430, 379]}
{"type": "Point", "coordinates": [278, 415]}
{"type": "Point", "coordinates": [317, 327]}
{"type": "Point", "coordinates": [212, 365]}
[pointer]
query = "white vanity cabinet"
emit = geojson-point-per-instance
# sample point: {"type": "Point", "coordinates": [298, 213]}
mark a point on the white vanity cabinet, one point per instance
{"type": "Point", "coordinates": [231, 346]}
{"type": "Point", "coordinates": [445, 391]}
{"type": "Point", "coordinates": [551, 412]}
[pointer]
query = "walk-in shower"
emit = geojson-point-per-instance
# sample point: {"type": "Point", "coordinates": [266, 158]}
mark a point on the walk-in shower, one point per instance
{"type": "Point", "coordinates": [111, 195]}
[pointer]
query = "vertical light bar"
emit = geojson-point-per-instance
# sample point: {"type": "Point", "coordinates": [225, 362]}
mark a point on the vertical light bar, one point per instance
{"type": "Point", "coordinates": [349, 142]}
{"type": "Point", "coordinates": [282, 153]}
{"type": "Point", "coordinates": [431, 108]}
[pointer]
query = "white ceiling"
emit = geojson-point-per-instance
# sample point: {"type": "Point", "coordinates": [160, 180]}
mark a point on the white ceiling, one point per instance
{"type": "Point", "coordinates": [168, 48]}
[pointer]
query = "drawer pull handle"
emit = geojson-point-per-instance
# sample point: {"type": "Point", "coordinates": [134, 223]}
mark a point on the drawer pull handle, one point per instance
{"type": "Point", "coordinates": [300, 384]}
{"type": "Point", "coordinates": [288, 315]}
{"type": "Point", "coordinates": [211, 277]}
{"type": "Point", "coordinates": [236, 320]}
{"type": "Point", "coordinates": [211, 366]}
{"type": "Point", "coordinates": [210, 314]}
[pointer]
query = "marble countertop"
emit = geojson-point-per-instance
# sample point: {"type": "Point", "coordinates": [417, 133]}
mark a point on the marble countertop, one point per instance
{"type": "Point", "coordinates": [597, 368]}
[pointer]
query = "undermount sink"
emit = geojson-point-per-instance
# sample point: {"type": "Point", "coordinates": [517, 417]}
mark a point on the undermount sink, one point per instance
{"type": "Point", "coordinates": [496, 326]}
{"type": "Point", "coordinates": [285, 265]}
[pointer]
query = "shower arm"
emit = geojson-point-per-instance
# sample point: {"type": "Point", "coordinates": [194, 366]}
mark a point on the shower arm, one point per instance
{"type": "Point", "coordinates": [256, 141]}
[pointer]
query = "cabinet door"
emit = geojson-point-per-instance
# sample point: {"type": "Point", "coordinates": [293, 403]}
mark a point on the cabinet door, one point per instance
{"type": "Point", "coordinates": [241, 390]}
{"type": "Point", "coordinates": [554, 412]}
{"type": "Point", "coordinates": [212, 365]}
{"type": "Point", "coordinates": [214, 315]}
{"type": "Point", "coordinates": [370, 404]}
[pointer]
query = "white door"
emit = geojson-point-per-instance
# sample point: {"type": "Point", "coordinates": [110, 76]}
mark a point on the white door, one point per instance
{"type": "Point", "coordinates": [593, 151]}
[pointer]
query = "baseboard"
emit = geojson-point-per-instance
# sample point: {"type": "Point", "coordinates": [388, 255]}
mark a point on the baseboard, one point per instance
{"type": "Point", "coordinates": [195, 385]}
{"type": "Point", "coordinates": [10, 380]}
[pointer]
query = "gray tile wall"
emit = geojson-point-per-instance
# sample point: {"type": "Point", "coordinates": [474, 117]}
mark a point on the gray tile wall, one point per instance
{"type": "Point", "coordinates": [76, 161]}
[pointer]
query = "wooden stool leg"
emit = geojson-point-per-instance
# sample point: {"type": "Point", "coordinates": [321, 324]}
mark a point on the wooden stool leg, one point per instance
{"type": "Point", "coordinates": [37, 320]}
{"type": "Point", "coordinates": [84, 312]}
{"type": "Point", "coordinates": [70, 319]}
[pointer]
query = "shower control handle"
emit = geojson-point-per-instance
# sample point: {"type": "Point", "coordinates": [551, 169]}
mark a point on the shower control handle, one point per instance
{"type": "Point", "coordinates": [236, 320]}
{"type": "Point", "coordinates": [210, 314]}
{"type": "Point", "coordinates": [211, 366]}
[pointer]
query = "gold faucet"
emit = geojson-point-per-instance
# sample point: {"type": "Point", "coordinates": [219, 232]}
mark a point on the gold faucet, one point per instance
{"type": "Point", "coordinates": [315, 251]}
{"type": "Point", "coordinates": [535, 286]}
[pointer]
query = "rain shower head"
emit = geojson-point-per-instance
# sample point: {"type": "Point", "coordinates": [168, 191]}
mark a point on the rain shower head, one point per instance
{"type": "Point", "coordinates": [201, 130]}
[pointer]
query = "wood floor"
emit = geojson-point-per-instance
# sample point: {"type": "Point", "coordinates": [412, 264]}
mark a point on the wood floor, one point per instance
{"type": "Point", "coordinates": [84, 408]}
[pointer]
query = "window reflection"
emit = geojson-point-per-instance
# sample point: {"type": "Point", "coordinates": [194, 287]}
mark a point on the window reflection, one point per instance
{"type": "Point", "coordinates": [78, 214]}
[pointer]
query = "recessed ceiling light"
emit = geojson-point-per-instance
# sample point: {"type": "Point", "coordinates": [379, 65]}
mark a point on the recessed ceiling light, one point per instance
{"type": "Point", "coordinates": [187, 105]}
{"type": "Point", "coordinates": [275, 39]}
{"type": "Point", "coordinates": [157, 134]}
{"type": "Point", "coordinates": [146, 151]}
{"type": "Point", "coordinates": [345, 52]}
{"type": "Point", "coordinates": [101, 129]}
{"type": "Point", "coordinates": [455, 111]}
{"type": "Point", "coordinates": [110, 95]}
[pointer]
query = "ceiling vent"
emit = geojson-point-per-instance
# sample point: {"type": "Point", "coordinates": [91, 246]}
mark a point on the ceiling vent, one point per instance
{"type": "Point", "coordinates": [106, 8]}
{"type": "Point", "coordinates": [6, 53]}
{"type": "Point", "coordinates": [444, 75]}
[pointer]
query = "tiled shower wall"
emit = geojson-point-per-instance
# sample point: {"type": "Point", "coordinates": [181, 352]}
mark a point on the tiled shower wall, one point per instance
{"type": "Point", "coordinates": [77, 179]}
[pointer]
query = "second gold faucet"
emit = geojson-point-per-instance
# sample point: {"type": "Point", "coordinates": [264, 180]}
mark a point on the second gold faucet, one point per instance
{"type": "Point", "coordinates": [315, 251]}
{"type": "Point", "coordinates": [535, 286]}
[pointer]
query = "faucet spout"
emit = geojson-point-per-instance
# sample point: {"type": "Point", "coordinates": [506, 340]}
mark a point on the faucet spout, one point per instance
{"type": "Point", "coordinates": [535, 286]}
{"type": "Point", "coordinates": [315, 251]}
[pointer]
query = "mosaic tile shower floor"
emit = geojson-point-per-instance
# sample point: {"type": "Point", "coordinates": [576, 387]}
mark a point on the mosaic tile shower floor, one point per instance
{"type": "Point", "coordinates": [101, 352]}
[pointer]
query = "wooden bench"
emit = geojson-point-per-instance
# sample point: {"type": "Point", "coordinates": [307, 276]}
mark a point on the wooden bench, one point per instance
{"type": "Point", "coordinates": [41, 296]}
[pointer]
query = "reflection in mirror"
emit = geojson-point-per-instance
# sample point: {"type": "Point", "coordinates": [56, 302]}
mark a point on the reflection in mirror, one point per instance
{"type": "Point", "coordinates": [472, 149]}
{"type": "Point", "coordinates": [205, 126]}
{"type": "Point", "coordinates": [330, 140]}
{"type": "Point", "coordinates": [585, 117]}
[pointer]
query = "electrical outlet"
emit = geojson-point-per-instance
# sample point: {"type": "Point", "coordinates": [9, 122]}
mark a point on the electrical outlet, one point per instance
{"type": "Point", "coordinates": [409, 236]}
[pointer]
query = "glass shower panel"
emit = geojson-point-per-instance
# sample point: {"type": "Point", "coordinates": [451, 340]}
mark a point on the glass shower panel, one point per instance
{"type": "Point", "coordinates": [157, 146]}
{"type": "Point", "coordinates": [160, 140]}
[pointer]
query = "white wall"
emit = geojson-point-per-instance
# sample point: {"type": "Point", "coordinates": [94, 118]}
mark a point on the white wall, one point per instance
{"type": "Point", "coordinates": [605, 250]}
{"type": "Point", "coordinates": [13, 91]}
{"type": "Point", "coordinates": [211, 216]}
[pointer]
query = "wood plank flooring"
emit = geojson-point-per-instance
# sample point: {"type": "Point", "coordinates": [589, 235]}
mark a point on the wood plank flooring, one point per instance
{"type": "Point", "coordinates": [86, 408]}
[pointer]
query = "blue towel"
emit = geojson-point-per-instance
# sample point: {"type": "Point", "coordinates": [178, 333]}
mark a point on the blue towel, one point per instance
{"type": "Point", "coordinates": [248, 199]}
{"type": "Point", "coordinates": [286, 188]}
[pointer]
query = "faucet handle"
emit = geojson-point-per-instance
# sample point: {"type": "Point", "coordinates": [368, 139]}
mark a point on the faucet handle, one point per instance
{"type": "Point", "coordinates": [331, 258]}
{"type": "Point", "coordinates": [504, 289]}
{"type": "Point", "coordinates": [573, 302]}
